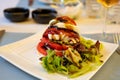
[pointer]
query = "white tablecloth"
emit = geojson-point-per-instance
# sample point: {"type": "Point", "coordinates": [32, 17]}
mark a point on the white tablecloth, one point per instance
{"type": "Point", "coordinates": [84, 24]}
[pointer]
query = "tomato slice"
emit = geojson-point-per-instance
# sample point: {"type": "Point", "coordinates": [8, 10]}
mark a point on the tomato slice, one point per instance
{"type": "Point", "coordinates": [59, 53]}
{"type": "Point", "coordinates": [57, 46]}
{"type": "Point", "coordinates": [41, 46]}
{"type": "Point", "coordinates": [66, 19]}
{"type": "Point", "coordinates": [41, 49]}
{"type": "Point", "coordinates": [66, 32]}
{"type": "Point", "coordinates": [50, 31]}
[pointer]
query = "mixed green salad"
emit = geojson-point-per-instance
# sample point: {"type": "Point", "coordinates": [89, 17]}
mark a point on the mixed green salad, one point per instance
{"type": "Point", "coordinates": [66, 52]}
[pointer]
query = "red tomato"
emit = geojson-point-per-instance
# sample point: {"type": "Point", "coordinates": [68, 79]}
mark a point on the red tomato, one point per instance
{"type": "Point", "coordinates": [67, 32]}
{"type": "Point", "coordinates": [41, 46]}
{"type": "Point", "coordinates": [59, 53]}
{"type": "Point", "coordinates": [51, 31]}
{"type": "Point", "coordinates": [41, 49]}
{"type": "Point", "coordinates": [52, 45]}
{"type": "Point", "coordinates": [56, 46]}
{"type": "Point", "coordinates": [45, 40]}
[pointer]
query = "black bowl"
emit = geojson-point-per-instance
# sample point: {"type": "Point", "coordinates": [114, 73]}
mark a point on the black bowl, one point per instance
{"type": "Point", "coordinates": [16, 14]}
{"type": "Point", "coordinates": [43, 16]}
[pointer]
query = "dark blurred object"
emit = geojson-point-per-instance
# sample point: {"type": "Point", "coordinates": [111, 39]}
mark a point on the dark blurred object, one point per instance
{"type": "Point", "coordinates": [30, 2]}
{"type": "Point", "coordinates": [43, 16]}
{"type": "Point", "coordinates": [1, 34]}
{"type": "Point", "coordinates": [16, 14]}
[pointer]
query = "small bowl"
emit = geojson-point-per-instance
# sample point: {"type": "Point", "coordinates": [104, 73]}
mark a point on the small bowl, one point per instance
{"type": "Point", "coordinates": [43, 16]}
{"type": "Point", "coordinates": [16, 14]}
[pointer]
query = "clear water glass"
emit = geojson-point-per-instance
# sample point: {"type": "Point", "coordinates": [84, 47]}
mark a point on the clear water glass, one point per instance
{"type": "Point", "coordinates": [71, 8]}
{"type": "Point", "coordinates": [93, 9]}
{"type": "Point", "coordinates": [114, 14]}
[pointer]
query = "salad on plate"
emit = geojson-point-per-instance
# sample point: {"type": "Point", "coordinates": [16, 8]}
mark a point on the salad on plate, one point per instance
{"type": "Point", "coordinates": [65, 51]}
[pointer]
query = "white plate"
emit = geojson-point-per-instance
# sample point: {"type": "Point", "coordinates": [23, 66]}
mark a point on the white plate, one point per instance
{"type": "Point", "coordinates": [23, 54]}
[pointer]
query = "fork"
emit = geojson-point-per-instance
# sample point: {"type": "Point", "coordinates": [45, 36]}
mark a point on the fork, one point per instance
{"type": "Point", "coordinates": [116, 37]}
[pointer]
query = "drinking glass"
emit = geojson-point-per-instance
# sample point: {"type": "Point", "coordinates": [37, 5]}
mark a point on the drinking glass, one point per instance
{"type": "Point", "coordinates": [71, 8]}
{"type": "Point", "coordinates": [107, 4]}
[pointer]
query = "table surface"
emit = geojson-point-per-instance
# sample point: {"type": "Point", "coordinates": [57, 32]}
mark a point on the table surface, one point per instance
{"type": "Point", "coordinates": [17, 31]}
